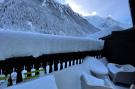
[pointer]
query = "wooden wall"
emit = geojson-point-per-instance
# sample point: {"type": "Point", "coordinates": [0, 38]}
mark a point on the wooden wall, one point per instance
{"type": "Point", "coordinates": [120, 47]}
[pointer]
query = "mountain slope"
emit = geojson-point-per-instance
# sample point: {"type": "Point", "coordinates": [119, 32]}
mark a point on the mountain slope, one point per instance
{"type": "Point", "coordinates": [106, 23]}
{"type": "Point", "coordinates": [43, 16]}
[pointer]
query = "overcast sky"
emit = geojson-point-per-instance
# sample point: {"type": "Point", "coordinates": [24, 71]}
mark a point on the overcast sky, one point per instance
{"type": "Point", "coordinates": [117, 9]}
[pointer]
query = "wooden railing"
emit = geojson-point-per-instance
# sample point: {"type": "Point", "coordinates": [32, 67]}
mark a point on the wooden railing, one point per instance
{"type": "Point", "coordinates": [67, 59]}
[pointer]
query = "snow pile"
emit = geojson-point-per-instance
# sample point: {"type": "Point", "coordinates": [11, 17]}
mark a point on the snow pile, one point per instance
{"type": "Point", "coordinates": [92, 80]}
{"type": "Point", "coordinates": [16, 44]}
{"type": "Point", "coordinates": [97, 67]}
{"type": "Point", "coordinates": [43, 16]}
{"type": "Point", "coordinates": [69, 78]}
{"type": "Point", "coordinates": [47, 82]}
{"type": "Point", "coordinates": [114, 69]}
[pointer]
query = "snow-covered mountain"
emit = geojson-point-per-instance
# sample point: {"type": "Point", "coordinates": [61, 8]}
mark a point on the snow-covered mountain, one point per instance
{"type": "Point", "coordinates": [107, 23]}
{"type": "Point", "coordinates": [43, 16]}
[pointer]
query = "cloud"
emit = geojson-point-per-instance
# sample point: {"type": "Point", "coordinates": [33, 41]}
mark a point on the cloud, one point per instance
{"type": "Point", "coordinates": [76, 7]}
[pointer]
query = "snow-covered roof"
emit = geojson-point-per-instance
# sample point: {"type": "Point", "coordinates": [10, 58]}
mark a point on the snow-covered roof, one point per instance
{"type": "Point", "coordinates": [16, 44]}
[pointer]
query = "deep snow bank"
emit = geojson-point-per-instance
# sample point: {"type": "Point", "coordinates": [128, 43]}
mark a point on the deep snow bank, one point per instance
{"type": "Point", "coordinates": [16, 44]}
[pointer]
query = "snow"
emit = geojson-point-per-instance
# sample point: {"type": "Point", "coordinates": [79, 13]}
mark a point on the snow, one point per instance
{"type": "Point", "coordinates": [106, 25]}
{"type": "Point", "coordinates": [97, 67]}
{"type": "Point", "coordinates": [47, 82]}
{"type": "Point", "coordinates": [129, 68]}
{"type": "Point", "coordinates": [91, 80]}
{"type": "Point", "coordinates": [69, 78]}
{"type": "Point", "coordinates": [43, 16]}
{"type": "Point", "coordinates": [113, 69]}
{"type": "Point", "coordinates": [19, 44]}
{"type": "Point", "coordinates": [100, 34]}
{"type": "Point", "coordinates": [104, 61]}
{"type": "Point", "coordinates": [2, 1]}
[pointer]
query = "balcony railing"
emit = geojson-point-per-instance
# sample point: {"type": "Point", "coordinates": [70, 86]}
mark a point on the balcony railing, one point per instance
{"type": "Point", "coordinates": [50, 63]}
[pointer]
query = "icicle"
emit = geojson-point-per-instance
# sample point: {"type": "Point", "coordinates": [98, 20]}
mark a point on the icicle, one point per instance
{"type": "Point", "coordinates": [63, 65]}
{"type": "Point", "coordinates": [58, 66]}
{"type": "Point", "coordinates": [41, 70]}
{"type": "Point", "coordinates": [47, 69]}
{"type": "Point", "coordinates": [24, 73]}
{"type": "Point", "coordinates": [33, 70]}
{"type": "Point", "coordinates": [14, 76]}
{"type": "Point", "coordinates": [67, 63]}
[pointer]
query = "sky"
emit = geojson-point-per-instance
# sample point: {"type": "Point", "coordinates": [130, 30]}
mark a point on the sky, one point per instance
{"type": "Point", "coordinates": [117, 9]}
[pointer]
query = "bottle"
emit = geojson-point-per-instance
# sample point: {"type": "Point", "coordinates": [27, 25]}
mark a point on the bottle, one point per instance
{"type": "Point", "coordinates": [3, 82]}
{"type": "Point", "coordinates": [132, 86]}
{"type": "Point", "coordinates": [14, 76]}
{"type": "Point", "coordinates": [53, 67]}
{"type": "Point", "coordinates": [47, 69]}
{"type": "Point", "coordinates": [78, 61]}
{"type": "Point", "coordinates": [24, 73]}
{"type": "Point", "coordinates": [33, 70]}
{"type": "Point", "coordinates": [41, 70]}
{"type": "Point", "coordinates": [63, 65]}
{"type": "Point", "coordinates": [81, 60]}
{"type": "Point", "coordinates": [75, 62]}
{"type": "Point", "coordinates": [58, 66]}
{"type": "Point", "coordinates": [67, 63]}
{"type": "Point", "coordinates": [71, 63]}
{"type": "Point", "coordinates": [7, 79]}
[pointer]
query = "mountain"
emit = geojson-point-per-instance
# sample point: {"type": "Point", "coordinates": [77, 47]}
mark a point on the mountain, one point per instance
{"type": "Point", "coordinates": [107, 23]}
{"type": "Point", "coordinates": [43, 16]}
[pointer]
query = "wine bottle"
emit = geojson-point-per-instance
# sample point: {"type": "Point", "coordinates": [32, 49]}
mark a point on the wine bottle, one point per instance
{"type": "Point", "coordinates": [47, 69]}
{"type": "Point", "coordinates": [58, 66]}
{"type": "Point", "coordinates": [24, 73]}
{"type": "Point", "coordinates": [63, 65]}
{"type": "Point", "coordinates": [41, 70]}
{"type": "Point", "coordinates": [33, 70]}
{"type": "Point", "coordinates": [14, 76]}
{"type": "Point", "coordinates": [3, 82]}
